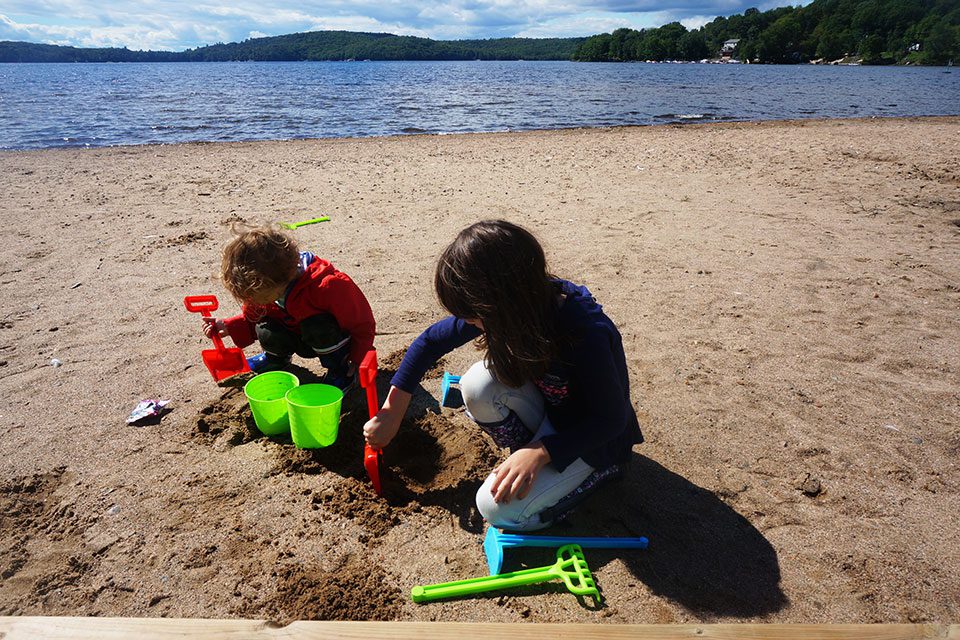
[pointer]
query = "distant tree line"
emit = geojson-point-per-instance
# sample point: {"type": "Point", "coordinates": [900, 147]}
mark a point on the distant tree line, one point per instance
{"type": "Point", "coordinates": [32, 52]}
{"type": "Point", "coordinates": [314, 45]}
{"type": "Point", "coordinates": [345, 45]}
{"type": "Point", "coordinates": [874, 31]}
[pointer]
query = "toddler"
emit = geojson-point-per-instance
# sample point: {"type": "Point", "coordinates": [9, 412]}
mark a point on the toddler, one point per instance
{"type": "Point", "coordinates": [293, 302]}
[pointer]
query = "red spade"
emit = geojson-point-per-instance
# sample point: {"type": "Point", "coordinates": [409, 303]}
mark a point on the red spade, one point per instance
{"type": "Point", "coordinates": [222, 362]}
{"type": "Point", "coordinates": [368, 380]}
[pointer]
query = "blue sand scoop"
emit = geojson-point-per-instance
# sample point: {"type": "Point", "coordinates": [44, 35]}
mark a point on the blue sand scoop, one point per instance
{"type": "Point", "coordinates": [495, 542]}
{"type": "Point", "coordinates": [448, 379]}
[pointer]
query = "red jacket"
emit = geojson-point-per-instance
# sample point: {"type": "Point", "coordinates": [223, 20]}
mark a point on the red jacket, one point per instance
{"type": "Point", "coordinates": [320, 288]}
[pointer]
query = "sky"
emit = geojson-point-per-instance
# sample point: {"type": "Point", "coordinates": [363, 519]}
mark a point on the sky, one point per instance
{"type": "Point", "coordinates": [173, 25]}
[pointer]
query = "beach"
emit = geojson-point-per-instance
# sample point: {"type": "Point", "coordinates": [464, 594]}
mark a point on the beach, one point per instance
{"type": "Point", "coordinates": [788, 296]}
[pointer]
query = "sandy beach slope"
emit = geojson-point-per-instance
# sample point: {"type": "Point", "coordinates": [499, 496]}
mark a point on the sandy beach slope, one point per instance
{"type": "Point", "coordinates": [789, 297]}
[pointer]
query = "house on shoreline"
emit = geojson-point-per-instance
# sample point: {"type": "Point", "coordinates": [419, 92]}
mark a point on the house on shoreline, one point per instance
{"type": "Point", "coordinates": [728, 49]}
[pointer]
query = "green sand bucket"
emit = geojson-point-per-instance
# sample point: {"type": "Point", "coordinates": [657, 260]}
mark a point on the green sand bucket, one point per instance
{"type": "Point", "coordinates": [266, 394]}
{"type": "Point", "coordinates": [314, 415]}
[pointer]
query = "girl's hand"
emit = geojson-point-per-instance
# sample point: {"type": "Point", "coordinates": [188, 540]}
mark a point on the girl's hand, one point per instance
{"type": "Point", "coordinates": [381, 428]}
{"type": "Point", "coordinates": [516, 475]}
{"type": "Point", "coordinates": [214, 324]}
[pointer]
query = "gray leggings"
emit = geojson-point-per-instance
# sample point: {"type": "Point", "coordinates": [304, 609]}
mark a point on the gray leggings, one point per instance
{"type": "Point", "coordinates": [489, 401]}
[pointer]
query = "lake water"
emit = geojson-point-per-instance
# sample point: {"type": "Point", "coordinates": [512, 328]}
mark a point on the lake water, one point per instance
{"type": "Point", "coordinates": [62, 105]}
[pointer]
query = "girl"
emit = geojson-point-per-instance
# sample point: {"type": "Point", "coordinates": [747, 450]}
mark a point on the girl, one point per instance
{"type": "Point", "coordinates": [552, 386]}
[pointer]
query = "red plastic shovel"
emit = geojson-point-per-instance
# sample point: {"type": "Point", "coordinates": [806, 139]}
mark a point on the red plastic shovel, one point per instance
{"type": "Point", "coordinates": [221, 362]}
{"type": "Point", "coordinates": [368, 380]}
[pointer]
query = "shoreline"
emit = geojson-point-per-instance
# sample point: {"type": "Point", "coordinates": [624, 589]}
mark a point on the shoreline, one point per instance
{"type": "Point", "coordinates": [559, 130]}
{"type": "Point", "coordinates": [818, 62]}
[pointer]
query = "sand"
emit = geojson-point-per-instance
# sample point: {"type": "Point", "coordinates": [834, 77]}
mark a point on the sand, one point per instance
{"type": "Point", "coordinates": [788, 295]}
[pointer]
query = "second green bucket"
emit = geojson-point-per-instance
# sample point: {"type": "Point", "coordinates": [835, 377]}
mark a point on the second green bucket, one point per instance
{"type": "Point", "coordinates": [266, 394]}
{"type": "Point", "coordinates": [314, 411]}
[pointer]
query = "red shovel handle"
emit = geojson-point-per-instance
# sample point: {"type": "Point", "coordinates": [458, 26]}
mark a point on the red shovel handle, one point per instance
{"type": "Point", "coordinates": [201, 304]}
{"type": "Point", "coordinates": [368, 380]}
{"type": "Point", "coordinates": [204, 305]}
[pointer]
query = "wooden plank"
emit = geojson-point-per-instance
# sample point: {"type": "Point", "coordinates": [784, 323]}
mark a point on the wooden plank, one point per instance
{"type": "Point", "coordinates": [41, 628]}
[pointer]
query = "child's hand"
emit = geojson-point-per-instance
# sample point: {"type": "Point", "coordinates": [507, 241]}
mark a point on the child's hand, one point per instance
{"type": "Point", "coordinates": [213, 324]}
{"type": "Point", "coordinates": [516, 475]}
{"type": "Point", "coordinates": [381, 428]}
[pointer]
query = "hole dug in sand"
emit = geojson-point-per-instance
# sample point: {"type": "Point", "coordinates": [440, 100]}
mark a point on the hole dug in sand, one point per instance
{"type": "Point", "coordinates": [434, 462]}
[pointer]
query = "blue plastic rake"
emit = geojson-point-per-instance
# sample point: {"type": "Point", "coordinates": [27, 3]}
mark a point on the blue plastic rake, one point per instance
{"type": "Point", "coordinates": [495, 542]}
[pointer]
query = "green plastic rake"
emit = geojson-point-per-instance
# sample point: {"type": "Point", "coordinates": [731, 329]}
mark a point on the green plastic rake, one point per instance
{"type": "Point", "coordinates": [297, 225]}
{"type": "Point", "coordinates": [571, 567]}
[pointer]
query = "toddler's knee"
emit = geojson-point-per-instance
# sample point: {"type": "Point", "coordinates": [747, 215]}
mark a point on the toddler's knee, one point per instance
{"type": "Point", "coordinates": [322, 333]}
{"type": "Point", "coordinates": [275, 338]}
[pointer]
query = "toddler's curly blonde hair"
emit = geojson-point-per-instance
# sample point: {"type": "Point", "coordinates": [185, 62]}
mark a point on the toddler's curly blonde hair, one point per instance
{"type": "Point", "coordinates": [257, 259]}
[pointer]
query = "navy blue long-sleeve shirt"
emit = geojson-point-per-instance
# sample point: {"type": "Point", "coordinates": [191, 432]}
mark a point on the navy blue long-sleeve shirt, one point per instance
{"type": "Point", "coordinates": [586, 389]}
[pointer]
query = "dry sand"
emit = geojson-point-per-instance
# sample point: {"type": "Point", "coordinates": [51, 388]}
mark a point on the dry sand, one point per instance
{"type": "Point", "coordinates": [788, 295]}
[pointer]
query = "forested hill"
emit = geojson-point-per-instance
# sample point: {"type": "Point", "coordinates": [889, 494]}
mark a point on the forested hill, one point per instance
{"type": "Point", "coordinates": [870, 31]}
{"type": "Point", "coordinates": [314, 45]}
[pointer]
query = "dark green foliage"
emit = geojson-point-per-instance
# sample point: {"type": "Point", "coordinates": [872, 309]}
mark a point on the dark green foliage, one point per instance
{"type": "Point", "coordinates": [692, 46]}
{"type": "Point", "coordinates": [595, 49]}
{"type": "Point", "coordinates": [876, 31]}
{"type": "Point", "coordinates": [31, 52]}
{"type": "Point", "coordinates": [781, 41]}
{"type": "Point", "coordinates": [314, 45]}
{"type": "Point", "coordinates": [942, 42]}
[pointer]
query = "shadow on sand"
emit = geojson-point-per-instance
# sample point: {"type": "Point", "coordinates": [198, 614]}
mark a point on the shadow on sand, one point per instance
{"type": "Point", "coordinates": [703, 555]}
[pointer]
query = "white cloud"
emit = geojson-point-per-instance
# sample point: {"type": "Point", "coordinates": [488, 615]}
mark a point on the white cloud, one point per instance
{"type": "Point", "coordinates": [576, 26]}
{"type": "Point", "coordinates": [592, 24]}
{"type": "Point", "coordinates": [83, 36]}
{"type": "Point", "coordinates": [695, 22]}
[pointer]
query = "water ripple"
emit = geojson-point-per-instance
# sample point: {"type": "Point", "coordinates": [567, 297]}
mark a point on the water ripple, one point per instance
{"type": "Point", "coordinates": [59, 105]}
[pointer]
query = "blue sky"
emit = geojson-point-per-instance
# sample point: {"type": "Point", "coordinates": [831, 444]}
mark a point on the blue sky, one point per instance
{"type": "Point", "coordinates": [176, 25]}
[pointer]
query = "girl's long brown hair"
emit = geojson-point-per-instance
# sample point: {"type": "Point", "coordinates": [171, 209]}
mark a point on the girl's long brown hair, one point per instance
{"type": "Point", "coordinates": [496, 272]}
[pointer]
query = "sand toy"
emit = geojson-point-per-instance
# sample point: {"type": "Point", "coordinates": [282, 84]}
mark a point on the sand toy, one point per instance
{"type": "Point", "coordinates": [495, 542]}
{"type": "Point", "coordinates": [571, 567]}
{"type": "Point", "coordinates": [221, 361]}
{"type": "Point", "coordinates": [368, 380]}
{"type": "Point", "coordinates": [297, 225]}
{"type": "Point", "coordinates": [314, 414]}
{"type": "Point", "coordinates": [266, 394]}
{"type": "Point", "coordinates": [448, 379]}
